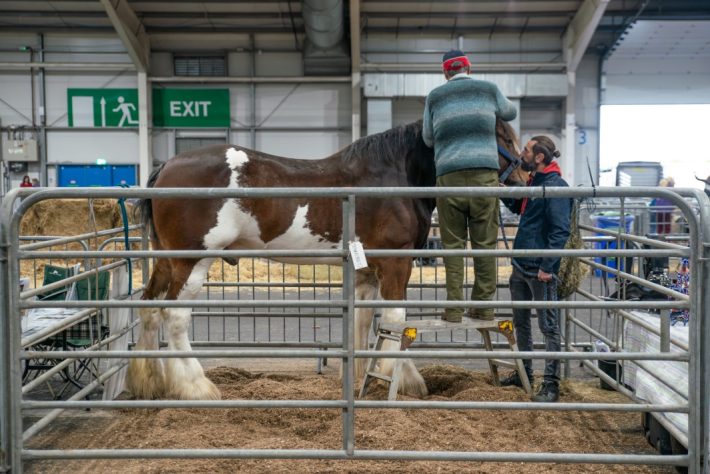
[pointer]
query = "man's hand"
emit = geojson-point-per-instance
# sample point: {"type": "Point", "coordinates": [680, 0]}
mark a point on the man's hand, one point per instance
{"type": "Point", "coordinates": [542, 276]}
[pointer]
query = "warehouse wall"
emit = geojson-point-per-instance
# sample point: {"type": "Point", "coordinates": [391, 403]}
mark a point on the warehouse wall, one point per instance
{"type": "Point", "coordinates": [313, 120]}
{"type": "Point", "coordinates": [291, 119]}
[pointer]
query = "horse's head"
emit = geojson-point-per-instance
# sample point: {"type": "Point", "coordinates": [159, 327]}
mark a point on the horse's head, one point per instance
{"type": "Point", "coordinates": [509, 169]}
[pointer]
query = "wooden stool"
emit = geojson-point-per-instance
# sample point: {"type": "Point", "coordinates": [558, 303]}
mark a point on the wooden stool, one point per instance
{"type": "Point", "coordinates": [406, 332]}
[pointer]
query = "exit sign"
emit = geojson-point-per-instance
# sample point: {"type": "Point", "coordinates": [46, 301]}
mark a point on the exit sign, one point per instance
{"type": "Point", "coordinates": [191, 108]}
{"type": "Point", "coordinates": [195, 108]}
{"type": "Point", "coordinates": [102, 107]}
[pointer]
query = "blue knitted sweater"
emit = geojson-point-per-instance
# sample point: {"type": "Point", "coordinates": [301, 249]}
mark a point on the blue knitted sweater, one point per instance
{"type": "Point", "coordinates": [460, 123]}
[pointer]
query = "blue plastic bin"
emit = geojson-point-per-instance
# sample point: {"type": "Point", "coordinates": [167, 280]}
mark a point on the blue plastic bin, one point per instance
{"type": "Point", "coordinates": [609, 220]}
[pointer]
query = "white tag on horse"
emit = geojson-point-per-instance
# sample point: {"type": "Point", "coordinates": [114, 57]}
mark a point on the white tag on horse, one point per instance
{"type": "Point", "coordinates": [357, 254]}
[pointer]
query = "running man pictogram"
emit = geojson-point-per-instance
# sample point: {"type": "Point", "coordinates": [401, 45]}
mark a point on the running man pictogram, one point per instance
{"type": "Point", "coordinates": [125, 109]}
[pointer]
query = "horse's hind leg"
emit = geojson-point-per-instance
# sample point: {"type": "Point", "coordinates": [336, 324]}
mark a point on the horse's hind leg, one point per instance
{"type": "Point", "coordinates": [394, 274]}
{"type": "Point", "coordinates": [365, 289]}
{"type": "Point", "coordinates": [145, 378]}
{"type": "Point", "coordinates": [184, 377]}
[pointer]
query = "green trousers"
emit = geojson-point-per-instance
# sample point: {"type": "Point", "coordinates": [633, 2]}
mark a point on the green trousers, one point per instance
{"type": "Point", "coordinates": [474, 217]}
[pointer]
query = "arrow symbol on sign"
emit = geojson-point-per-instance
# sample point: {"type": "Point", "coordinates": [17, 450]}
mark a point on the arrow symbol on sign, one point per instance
{"type": "Point", "coordinates": [103, 112]}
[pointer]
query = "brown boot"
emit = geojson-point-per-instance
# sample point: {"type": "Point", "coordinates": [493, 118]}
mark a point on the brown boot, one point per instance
{"type": "Point", "coordinates": [452, 317]}
{"type": "Point", "coordinates": [481, 314]}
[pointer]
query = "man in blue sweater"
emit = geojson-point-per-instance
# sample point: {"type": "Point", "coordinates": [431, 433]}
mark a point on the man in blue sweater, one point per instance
{"type": "Point", "coordinates": [459, 123]}
{"type": "Point", "coordinates": [544, 224]}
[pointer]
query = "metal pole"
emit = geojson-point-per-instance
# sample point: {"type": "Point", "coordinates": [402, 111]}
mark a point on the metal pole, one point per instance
{"type": "Point", "coordinates": [479, 456]}
{"type": "Point", "coordinates": [145, 161]}
{"type": "Point", "coordinates": [355, 68]}
{"type": "Point", "coordinates": [42, 86]}
{"type": "Point", "coordinates": [5, 351]}
{"type": "Point", "coordinates": [568, 340]}
{"type": "Point", "coordinates": [252, 92]}
{"type": "Point", "coordinates": [14, 352]}
{"type": "Point", "coordinates": [665, 330]}
{"type": "Point", "coordinates": [348, 364]}
{"type": "Point", "coordinates": [699, 367]}
{"type": "Point", "coordinates": [697, 394]}
{"type": "Point", "coordinates": [79, 404]}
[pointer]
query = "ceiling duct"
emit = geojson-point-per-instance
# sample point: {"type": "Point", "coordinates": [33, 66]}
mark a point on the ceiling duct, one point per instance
{"type": "Point", "coordinates": [325, 50]}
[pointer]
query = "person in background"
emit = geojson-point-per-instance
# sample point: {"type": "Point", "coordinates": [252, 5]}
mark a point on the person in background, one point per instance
{"type": "Point", "coordinates": [35, 183]}
{"type": "Point", "coordinates": [459, 123]}
{"type": "Point", "coordinates": [26, 183]}
{"type": "Point", "coordinates": [662, 210]}
{"type": "Point", "coordinates": [544, 224]}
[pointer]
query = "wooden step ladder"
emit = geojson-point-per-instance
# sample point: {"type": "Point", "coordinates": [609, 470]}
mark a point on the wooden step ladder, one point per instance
{"type": "Point", "coordinates": [406, 332]}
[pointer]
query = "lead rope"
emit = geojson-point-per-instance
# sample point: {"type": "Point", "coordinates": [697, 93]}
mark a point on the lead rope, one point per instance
{"type": "Point", "coordinates": [502, 229]}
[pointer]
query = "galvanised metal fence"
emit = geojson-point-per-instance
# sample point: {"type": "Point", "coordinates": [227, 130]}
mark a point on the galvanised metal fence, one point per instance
{"type": "Point", "coordinates": [13, 437]}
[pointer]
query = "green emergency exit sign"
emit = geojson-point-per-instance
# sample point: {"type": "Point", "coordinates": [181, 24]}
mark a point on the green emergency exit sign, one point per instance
{"type": "Point", "coordinates": [102, 107]}
{"type": "Point", "coordinates": [192, 108]}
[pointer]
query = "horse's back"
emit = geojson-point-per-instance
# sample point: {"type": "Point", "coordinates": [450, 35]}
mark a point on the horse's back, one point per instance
{"type": "Point", "coordinates": [201, 168]}
{"type": "Point", "coordinates": [257, 222]}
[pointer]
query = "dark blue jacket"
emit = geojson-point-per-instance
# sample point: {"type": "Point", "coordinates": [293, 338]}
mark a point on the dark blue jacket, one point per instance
{"type": "Point", "coordinates": [544, 222]}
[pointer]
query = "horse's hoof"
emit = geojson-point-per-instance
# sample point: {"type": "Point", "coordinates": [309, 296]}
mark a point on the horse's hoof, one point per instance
{"type": "Point", "coordinates": [199, 389]}
{"type": "Point", "coordinates": [186, 380]}
{"type": "Point", "coordinates": [415, 390]}
{"type": "Point", "coordinates": [412, 382]}
{"type": "Point", "coordinates": [145, 379]}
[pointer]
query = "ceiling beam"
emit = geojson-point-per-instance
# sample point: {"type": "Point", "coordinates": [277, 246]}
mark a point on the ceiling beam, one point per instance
{"type": "Point", "coordinates": [580, 30]}
{"type": "Point", "coordinates": [462, 29]}
{"type": "Point", "coordinates": [131, 31]}
{"type": "Point", "coordinates": [15, 66]}
{"type": "Point", "coordinates": [356, 84]}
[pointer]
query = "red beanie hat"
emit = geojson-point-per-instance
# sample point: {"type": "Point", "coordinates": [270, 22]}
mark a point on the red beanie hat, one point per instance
{"type": "Point", "coordinates": [455, 59]}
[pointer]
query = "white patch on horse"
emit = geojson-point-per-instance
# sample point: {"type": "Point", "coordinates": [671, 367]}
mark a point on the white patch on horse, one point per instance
{"type": "Point", "coordinates": [232, 222]}
{"type": "Point", "coordinates": [299, 236]}
{"type": "Point", "coordinates": [194, 282]}
{"type": "Point", "coordinates": [236, 159]}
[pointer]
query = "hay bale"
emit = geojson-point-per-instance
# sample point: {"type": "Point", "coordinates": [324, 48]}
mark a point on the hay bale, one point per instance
{"type": "Point", "coordinates": [70, 217]}
{"type": "Point", "coordinates": [67, 217]}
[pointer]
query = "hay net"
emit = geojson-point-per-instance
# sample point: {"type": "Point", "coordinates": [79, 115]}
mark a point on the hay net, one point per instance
{"type": "Point", "coordinates": [572, 270]}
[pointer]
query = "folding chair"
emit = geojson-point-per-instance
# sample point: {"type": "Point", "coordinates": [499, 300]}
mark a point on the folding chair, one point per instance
{"type": "Point", "coordinates": [77, 337]}
{"type": "Point", "coordinates": [38, 318]}
{"type": "Point", "coordinates": [91, 330]}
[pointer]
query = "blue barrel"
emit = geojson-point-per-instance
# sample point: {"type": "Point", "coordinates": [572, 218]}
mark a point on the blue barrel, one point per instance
{"type": "Point", "coordinates": [610, 220]}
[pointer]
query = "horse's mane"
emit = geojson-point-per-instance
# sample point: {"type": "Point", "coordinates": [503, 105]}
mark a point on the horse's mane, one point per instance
{"type": "Point", "coordinates": [388, 147]}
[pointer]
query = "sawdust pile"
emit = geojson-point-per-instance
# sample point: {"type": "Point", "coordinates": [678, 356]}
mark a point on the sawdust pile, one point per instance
{"type": "Point", "coordinates": [424, 430]}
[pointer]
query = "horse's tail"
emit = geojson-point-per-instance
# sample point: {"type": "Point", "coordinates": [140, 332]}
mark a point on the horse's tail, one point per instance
{"type": "Point", "coordinates": [143, 211]}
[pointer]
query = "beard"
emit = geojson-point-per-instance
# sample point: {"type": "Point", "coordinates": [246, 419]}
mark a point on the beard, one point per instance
{"type": "Point", "coordinates": [529, 167]}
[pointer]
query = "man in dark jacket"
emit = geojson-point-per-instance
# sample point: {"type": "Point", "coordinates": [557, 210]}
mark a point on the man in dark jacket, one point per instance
{"type": "Point", "coordinates": [544, 224]}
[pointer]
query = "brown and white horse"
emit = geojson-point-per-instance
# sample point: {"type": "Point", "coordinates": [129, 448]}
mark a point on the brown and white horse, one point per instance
{"type": "Point", "coordinates": [397, 157]}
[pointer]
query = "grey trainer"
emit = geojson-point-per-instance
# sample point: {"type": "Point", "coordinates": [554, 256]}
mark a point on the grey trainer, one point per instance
{"type": "Point", "coordinates": [548, 392]}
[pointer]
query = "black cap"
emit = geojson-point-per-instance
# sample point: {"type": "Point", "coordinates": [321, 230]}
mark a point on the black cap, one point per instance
{"type": "Point", "coordinates": [454, 53]}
